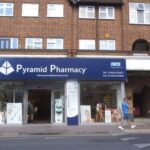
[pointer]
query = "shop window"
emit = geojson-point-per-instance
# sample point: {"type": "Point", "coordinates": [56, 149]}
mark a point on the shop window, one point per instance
{"type": "Point", "coordinates": [33, 43]}
{"type": "Point", "coordinates": [30, 10]}
{"type": "Point", "coordinates": [10, 99]}
{"type": "Point", "coordinates": [6, 96]}
{"type": "Point", "coordinates": [19, 95]}
{"type": "Point", "coordinates": [6, 9]}
{"type": "Point", "coordinates": [86, 44]}
{"type": "Point", "coordinates": [55, 10]}
{"type": "Point", "coordinates": [100, 99]}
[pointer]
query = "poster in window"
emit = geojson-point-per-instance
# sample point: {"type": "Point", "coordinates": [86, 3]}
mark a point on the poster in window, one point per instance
{"type": "Point", "coordinates": [107, 115]}
{"type": "Point", "coordinates": [72, 102]}
{"type": "Point", "coordinates": [2, 117]}
{"type": "Point", "coordinates": [85, 113]}
{"type": "Point", "coordinates": [14, 113]}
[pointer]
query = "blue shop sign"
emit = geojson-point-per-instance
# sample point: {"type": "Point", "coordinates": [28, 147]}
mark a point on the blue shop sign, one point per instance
{"type": "Point", "coordinates": [62, 69]}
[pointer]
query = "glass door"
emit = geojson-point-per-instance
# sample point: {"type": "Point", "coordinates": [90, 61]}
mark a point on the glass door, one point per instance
{"type": "Point", "coordinates": [57, 107]}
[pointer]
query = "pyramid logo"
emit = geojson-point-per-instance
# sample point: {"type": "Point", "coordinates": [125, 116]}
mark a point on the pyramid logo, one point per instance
{"type": "Point", "coordinates": [6, 68]}
{"type": "Point", "coordinates": [75, 1]}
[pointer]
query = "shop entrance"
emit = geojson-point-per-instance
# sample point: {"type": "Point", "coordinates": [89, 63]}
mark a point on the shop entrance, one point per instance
{"type": "Point", "coordinates": [141, 102]}
{"type": "Point", "coordinates": [39, 106]}
{"type": "Point", "coordinates": [140, 84]}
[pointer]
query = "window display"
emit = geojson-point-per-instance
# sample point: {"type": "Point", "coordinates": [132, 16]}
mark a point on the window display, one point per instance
{"type": "Point", "coordinates": [99, 113]}
{"type": "Point", "coordinates": [14, 113]}
{"type": "Point", "coordinates": [85, 113]}
{"type": "Point", "coordinates": [11, 94]}
{"type": "Point", "coordinates": [102, 97]}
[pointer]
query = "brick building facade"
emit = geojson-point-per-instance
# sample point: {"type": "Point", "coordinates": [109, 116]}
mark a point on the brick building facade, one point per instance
{"type": "Point", "coordinates": [81, 29]}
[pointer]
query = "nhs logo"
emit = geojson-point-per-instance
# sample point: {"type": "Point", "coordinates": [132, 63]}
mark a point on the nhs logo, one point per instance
{"type": "Point", "coordinates": [115, 64]}
{"type": "Point", "coordinates": [6, 68]}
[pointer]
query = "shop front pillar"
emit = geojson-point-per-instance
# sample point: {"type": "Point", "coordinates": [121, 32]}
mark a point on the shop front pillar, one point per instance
{"type": "Point", "coordinates": [72, 102]}
{"type": "Point", "coordinates": [120, 94]}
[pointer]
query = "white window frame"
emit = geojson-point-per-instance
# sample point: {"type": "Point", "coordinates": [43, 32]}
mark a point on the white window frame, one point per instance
{"type": "Point", "coordinates": [4, 7]}
{"type": "Point", "coordinates": [137, 16]}
{"type": "Point", "coordinates": [55, 43]}
{"type": "Point", "coordinates": [55, 10]}
{"type": "Point", "coordinates": [105, 11]}
{"type": "Point", "coordinates": [30, 10]}
{"type": "Point", "coordinates": [85, 44]}
{"type": "Point", "coordinates": [107, 45]}
{"type": "Point", "coordinates": [87, 12]}
{"type": "Point", "coordinates": [12, 41]}
{"type": "Point", "coordinates": [36, 43]}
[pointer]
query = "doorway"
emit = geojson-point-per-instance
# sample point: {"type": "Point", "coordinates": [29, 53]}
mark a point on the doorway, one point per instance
{"type": "Point", "coordinates": [39, 106]}
{"type": "Point", "coordinates": [141, 102]}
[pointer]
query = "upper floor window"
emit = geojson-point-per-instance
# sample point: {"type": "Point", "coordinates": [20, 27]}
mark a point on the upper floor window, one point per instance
{"type": "Point", "coordinates": [30, 10]}
{"type": "Point", "coordinates": [107, 45]}
{"type": "Point", "coordinates": [87, 44]}
{"type": "Point", "coordinates": [55, 43]}
{"type": "Point", "coordinates": [33, 43]}
{"type": "Point", "coordinates": [139, 13]}
{"type": "Point", "coordinates": [6, 9]}
{"type": "Point", "coordinates": [55, 10]}
{"type": "Point", "coordinates": [106, 12]}
{"type": "Point", "coordinates": [87, 12]}
{"type": "Point", "coordinates": [8, 43]}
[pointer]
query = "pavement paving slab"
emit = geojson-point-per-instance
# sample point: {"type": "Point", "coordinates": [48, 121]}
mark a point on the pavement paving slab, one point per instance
{"type": "Point", "coordinates": [47, 129]}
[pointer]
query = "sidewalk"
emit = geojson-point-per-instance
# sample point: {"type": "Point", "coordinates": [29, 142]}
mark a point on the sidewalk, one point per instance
{"type": "Point", "coordinates": [87, 129]}
{"type": "Point", "coordinates": [143, 126]}
{"type": "Point", "coordinates": [47, 129]}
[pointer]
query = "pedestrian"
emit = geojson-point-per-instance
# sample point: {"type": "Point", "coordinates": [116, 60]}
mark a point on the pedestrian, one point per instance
{"type": "Point", "coordinates": [125, 112]}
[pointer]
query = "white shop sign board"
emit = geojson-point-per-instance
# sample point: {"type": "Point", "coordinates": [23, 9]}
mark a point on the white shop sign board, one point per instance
{"type": "Point", "coordinates": [72, 98]}
{"type": "Point", "coordinates": [107, 116]}
{"type": "Point", "coordinates": [85, 113]}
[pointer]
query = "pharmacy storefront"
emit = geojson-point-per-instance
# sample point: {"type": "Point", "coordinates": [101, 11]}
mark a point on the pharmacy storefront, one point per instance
{"type": "Point", "coordinates": [68, 91]}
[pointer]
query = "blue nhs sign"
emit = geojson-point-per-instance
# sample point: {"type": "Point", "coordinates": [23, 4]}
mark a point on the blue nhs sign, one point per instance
{"type": "Point", "coordinates": [115, 64]}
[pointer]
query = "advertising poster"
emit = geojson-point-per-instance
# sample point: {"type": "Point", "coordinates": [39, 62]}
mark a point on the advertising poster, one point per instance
{"type": "Point", "coordinates": [108, 115]}
{"type": "Point", "coordinates": [58, 111]}
{"type": "Point", "coordinates": [72, 102]}
{"type": "Point", "coordinates": [2, 117]}
{"type": "Point", "coordinates": [85, 113]}
{"type": "Point", "coordinates": [14, 113]}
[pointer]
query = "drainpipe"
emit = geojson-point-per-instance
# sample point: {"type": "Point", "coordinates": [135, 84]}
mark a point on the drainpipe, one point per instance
{"type": "Point", "coordinates": [97, 31]}
{"type": "Point", "coordinates": [122, 28]}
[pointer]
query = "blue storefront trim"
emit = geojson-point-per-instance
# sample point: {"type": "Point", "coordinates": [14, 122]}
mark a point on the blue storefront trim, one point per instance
{"type": "Point", "coordinates": [72, 120]}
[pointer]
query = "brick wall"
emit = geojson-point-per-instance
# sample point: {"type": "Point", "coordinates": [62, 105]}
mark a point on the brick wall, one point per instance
{"type": "Point", "coordinates": [133, 32]}
{"type": "Point", "coordinates": [71, 28]}
{"type": "Point", "coordinates": [42, 26]}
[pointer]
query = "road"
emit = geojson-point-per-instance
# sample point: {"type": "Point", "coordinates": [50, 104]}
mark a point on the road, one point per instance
{"type": "Point", "coordinates": [124, 142]}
